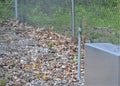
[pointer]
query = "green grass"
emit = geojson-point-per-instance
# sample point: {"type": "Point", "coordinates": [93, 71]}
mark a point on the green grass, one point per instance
{"type": "Point", "coordinates": [99, 17]}
{"type": "Point", "coordinates": [94, 16]}
{"type": "Point", "coordinates": [6, 10]}
{"type": "Point", "coordinates": [60, 20]}
{"type": "Point", "coordinates": [2, 82]}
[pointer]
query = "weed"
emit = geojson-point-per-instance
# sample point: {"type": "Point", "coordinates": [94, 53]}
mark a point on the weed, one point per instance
{"type": "Point", "coordinates": [39, 75]}
{"type": "Point", "coordinates": [2, 82]}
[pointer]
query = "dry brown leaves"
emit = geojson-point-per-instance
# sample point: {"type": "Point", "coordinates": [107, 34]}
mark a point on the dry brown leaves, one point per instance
{"type": "Point", "coordinates": [58, 62]}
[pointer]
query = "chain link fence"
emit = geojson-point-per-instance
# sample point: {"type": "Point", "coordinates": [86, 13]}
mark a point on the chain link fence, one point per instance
{"type": "Point", "coordinates": [6, 9]}
{"type": "Point", "coordinates": [100, 19]}
{"type": "Point", "coordinates": [52, 14]}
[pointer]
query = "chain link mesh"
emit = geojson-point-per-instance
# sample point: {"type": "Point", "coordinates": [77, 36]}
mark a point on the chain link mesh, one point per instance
{"type": "Point", "coordinates": [54, 14]}
{"type": "Point", "coordinates": [101, 20]}
{"type": "Point", "coordinates": [6, 9]}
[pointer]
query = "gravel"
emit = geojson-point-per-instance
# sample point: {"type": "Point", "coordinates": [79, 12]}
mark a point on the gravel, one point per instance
{"type": "Point", "coordinates": [31, 56]}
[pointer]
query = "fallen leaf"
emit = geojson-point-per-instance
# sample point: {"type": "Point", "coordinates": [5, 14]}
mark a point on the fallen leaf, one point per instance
{"type": "Point", "coordinates": [36, 71]}
{"type": "Point", "coordinates": [44, 76]}
{"type": "Point", "coordinates": [35, 65]}
{"type": "Point", "coordinates": [27, 67]}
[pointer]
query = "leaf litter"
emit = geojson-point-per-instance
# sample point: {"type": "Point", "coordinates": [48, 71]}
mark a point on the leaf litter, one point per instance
{"type": "Point", "coordinates": [33, 56]}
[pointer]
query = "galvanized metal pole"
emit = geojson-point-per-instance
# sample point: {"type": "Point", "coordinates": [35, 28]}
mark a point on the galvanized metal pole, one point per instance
{"type": "Point", "coordinates": [16, 9]}
{"type": "Point", "coordinates": [79, 52]}
{"type": "Point", "coordinates": [118, 40]}
{"type": "Point", "coordinates": [79, 49]}
{"type": "Point", "coordinates": [73, 18]}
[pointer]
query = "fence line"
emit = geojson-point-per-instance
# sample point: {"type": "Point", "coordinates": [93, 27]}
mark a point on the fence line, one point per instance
{"type": "Point", "coordinates": [57, 14]}
{"type": "Point", "coordinates": [16, 9]}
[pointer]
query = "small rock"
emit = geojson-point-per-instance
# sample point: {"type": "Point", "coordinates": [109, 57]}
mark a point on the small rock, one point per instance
{"type": "Point", "coordinates": [23, 61]}
{"type": "Point", "coordinates": [17, 83]}
{"type": "Point", "coordinates": [1, 60]}
{"type": "Point", "coordinates": [15, 77]}
{"type": "Point", "coordinates": [2, 74]}
{"type": "Point", "coordinates": [28, 84]}
{"type": "Point", "coordinates": [63, 66]}
{"type": "Point", "coordinates": [57, 79]}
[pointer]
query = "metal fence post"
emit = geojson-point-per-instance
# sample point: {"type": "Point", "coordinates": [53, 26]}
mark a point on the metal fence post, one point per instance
{"type": "Point", "coordinates": [79, 52]}
{"type": "Point", "coordinates": [79, 49]}
{"type": "Point", "coordinates": [16, 9]}
{"type": "Point", "coordinates": [73, 18]}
